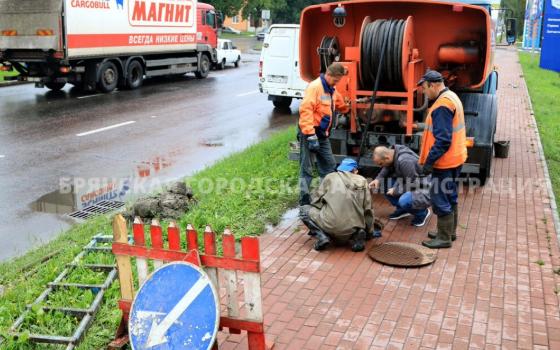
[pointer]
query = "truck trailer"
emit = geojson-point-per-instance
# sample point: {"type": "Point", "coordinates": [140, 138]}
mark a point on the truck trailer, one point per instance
{"type": "Point", "coordinates": [105, 44]}
{"type": "Point", "coordinates": [386, 46]}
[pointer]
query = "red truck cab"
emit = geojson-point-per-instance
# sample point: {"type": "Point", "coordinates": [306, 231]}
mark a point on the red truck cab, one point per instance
{"type": "Point", "coordinates": [207, 24]}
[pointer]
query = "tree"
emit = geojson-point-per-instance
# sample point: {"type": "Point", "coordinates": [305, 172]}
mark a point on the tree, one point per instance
{"type": "Point", "coordinates": [290, 13]}
{"type": "Point", "coordinates": [229, 8]}
{"type": "Point", "coordinates": [517, 8]}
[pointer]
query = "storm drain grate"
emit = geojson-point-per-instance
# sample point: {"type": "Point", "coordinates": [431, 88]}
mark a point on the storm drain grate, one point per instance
{"type": "Point", "coordinates": [402, 254]}
{"type": "Point", "coordinates": [103, 207]}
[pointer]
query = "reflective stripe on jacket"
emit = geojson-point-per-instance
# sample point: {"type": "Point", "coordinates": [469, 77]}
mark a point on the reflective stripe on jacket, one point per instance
{"type": "Point", "coordinates": [316, 104]}
{"type": "Point", "coordinates": [456, 155]}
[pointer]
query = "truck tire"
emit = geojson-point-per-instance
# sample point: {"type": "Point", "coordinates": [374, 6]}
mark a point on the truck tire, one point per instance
{"type": "Point", "coordinates": [236, 63]}
{"type": "Point", "coordinates": [204, 67]}
{"type": "Point", "coordinates": [222, 64]}
{"type": "Point", "coordinates": [108, 77]}
{"type": "Point", "coordinates": [282, 102]}
{"type": "Point", "coordinates": [55, 86]}
{"type": "Point", "coordinates": [134, 75]}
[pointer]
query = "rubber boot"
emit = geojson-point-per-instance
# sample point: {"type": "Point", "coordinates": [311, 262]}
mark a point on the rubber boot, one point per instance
{"type": "Point", "coordinates": [445, 229]}
{"type": "Point", "coordinates": [359, 240]}
{"type": "Point", "coordinates": [313, 228]}
{"type": "Point", "coordinates": [323, 241]}
{"type": "Point", "coordinates": [455, 208]}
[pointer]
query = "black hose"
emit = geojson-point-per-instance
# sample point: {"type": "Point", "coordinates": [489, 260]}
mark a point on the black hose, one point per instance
{"type": "Point", "coordinates": [329, 52]}
{"type": "Point", "coordinates": [384, 43]}
{"type": "Point", "coordinates": [372, 44]}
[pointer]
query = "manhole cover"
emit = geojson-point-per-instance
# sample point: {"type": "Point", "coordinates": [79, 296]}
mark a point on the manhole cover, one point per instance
{"type": "Point", "coordinates": [402, 254]}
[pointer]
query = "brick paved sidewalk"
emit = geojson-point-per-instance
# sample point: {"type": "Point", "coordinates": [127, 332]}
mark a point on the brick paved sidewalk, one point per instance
{"type": "Point", "coordinates": [488, 291]}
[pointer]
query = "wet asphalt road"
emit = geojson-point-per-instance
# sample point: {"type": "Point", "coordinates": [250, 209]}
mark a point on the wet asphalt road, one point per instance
{"type": "Point", "coordinates": [165, 130]}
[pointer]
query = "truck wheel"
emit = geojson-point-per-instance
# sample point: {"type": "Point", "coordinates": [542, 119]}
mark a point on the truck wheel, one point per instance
{"type": "Point", "coordinates": [108, 77]}
{"type": "Point", "coordinates": [204, 67]}
{"type": "Point", "coordinates": [282, 102]}
{"type": "Point", "coordinates": [236, 63]}
{"type": "Point", "coordinates": [55, 86]}
{"type": "Point", "coordinates": [222, 64]}
{"type": "Point", "coordinates": [135, 75]}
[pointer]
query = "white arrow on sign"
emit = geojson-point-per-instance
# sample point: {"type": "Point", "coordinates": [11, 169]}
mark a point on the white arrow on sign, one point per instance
{"type": "Point", "coordinates": [157, 332]}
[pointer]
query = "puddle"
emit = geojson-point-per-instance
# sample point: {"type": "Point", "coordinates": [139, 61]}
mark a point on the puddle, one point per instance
{"type": "Point", "coordinates": [288, 216]}
{"type": "Point", "coordinates": [69, 200]}
{"type": "Point", "coordinates": [55, 203]}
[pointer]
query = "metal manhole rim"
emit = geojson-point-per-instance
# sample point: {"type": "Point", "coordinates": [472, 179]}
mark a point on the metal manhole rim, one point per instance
{"type": "Point", "coordinates": [402, 254]}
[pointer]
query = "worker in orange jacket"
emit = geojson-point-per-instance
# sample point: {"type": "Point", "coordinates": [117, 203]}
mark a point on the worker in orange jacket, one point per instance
{"type": "Point", "coordinates": [442, 154]}
{"type": "Point", "coordinates": [315, 119]}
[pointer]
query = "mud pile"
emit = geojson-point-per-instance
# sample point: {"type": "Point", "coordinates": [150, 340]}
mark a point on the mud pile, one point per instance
{"type": "Point", "coordinates": [171, 204]}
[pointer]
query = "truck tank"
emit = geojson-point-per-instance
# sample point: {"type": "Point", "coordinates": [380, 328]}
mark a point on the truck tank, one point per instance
{"type": "Point", "coordinates": [454, 38]}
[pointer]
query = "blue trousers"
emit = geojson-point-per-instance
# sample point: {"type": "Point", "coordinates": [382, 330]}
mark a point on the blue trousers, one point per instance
{"type": "Point", "coordinates": [326, 164]}
{"type": "Point", "coordinates": [403, 201]}
{"type": "Point", "coordinates": [443, 190]}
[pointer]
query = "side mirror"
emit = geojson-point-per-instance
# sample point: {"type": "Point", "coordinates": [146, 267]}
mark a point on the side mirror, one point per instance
{"type": "Point", "coordinates": [511, 30]}
{"type": "Point", "coordinates": [235, 47]}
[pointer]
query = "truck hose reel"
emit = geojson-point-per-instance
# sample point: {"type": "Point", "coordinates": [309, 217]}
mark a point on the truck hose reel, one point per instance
{"type": "Point", "coordinates": [329, 52]}
{"type": "Point", "coordinates": [397, 55]}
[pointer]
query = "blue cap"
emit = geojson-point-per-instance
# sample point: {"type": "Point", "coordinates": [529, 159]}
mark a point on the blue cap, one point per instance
{"type": "Point", "coordinates": [348, 164]}
{"type": "Point", "coordinates": [431, 76]}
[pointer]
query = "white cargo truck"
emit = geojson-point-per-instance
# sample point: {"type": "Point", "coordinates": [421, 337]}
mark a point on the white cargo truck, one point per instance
{"type": "Point", "coordinates": [103, 44]}
{"type": "Point", "coordinates": [278, 68]}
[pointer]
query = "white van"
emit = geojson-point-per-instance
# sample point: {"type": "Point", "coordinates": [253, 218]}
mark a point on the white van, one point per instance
{"type": "Point", "coordinates": [279, 65]}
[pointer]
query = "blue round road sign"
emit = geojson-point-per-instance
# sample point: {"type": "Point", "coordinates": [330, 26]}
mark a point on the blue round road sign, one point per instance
{"type": "Point", "coordinates": [176, 308]}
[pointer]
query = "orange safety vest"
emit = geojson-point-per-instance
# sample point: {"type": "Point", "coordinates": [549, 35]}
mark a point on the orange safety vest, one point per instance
{"type": "Point", "coordinates": [456, 155]}
{"type": "Point", "coordinates": [316, 104]}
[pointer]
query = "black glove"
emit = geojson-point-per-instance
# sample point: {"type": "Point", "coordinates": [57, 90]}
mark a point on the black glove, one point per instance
{"type": "Point", "coordinates": [313, 143]}
{"type": "Point", "coordinates": [427, 169]}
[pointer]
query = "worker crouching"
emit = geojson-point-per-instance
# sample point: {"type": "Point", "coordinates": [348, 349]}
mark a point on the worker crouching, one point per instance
{"type": "Point", "coordinates": [341, 209]}
{"type": "Point", "coordinates": [442, 154]}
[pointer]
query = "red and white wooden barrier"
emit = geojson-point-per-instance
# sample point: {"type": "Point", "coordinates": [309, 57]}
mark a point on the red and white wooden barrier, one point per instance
{"type": "Point", "coordinates": [229, 269]}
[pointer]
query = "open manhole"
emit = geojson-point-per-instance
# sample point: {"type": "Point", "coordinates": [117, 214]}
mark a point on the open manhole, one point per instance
{"type": "Point", "coordinates": [402, 254]}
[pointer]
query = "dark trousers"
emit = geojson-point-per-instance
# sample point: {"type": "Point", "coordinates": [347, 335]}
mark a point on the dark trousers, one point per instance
{"type": "Point", "coordinates": [326, 164]}
{"type": "Point", "coordinates": [443, 191]}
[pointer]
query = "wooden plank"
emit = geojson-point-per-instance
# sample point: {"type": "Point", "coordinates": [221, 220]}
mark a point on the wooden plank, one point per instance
{"type": "Point", "coordinates": [140, 240]}
{"type": "Point", "coordinates": [173, 236]}
{"type": "Point", "coordinates": [157, 240]}
{"type": "Point", "coordinates": [252, 286]}
{"type": "Point", "coordinates": [159, 254]}
{"type": "Point", "coordinates": [120, 235]}
{"type": "Point", "coordinates": [256, 341]}
{"type": "Point", "coordinates": [230, 276]}
{"type": "Point", "coordinates": [210, 250]}
{"type": "Point", "coordinates": [250, 326]}
{"type": "Point", "coordinates": [192, 238]}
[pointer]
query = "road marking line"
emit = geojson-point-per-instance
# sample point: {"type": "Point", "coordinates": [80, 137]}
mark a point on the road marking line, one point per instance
{"type": "Point", "coordinates": [2, 156]}
{"type": "Point", "coordinates": [88, 96]}
{"type": "Point", "coordinates": [95, 95]}
{"type": "Point", "coordinates": [105, 128]}
{"type": "Point", "coordinates": [248, 93]}
{"type": "Point", "coordinates": [154, 116]}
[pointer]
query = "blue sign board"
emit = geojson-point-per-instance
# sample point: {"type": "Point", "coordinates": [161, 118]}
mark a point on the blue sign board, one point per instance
{"type": "Point", "coordinates": [176, 308]}
{"type": "Point", "coordinates": [550, 53]}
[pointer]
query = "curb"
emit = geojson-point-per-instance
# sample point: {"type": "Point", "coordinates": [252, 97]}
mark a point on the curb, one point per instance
{"type": "Point", "coordinates": [553, 205]}
{"type": "Point", "coordinates": [4, 84]}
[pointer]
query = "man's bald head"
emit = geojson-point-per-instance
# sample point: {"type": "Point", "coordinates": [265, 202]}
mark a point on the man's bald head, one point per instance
{"type": "Point", "coordinates": [383, 156]}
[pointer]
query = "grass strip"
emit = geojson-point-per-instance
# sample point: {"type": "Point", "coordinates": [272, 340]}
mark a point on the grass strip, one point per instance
{"type": "Point", "coordinates": [544, 89]}
{"type": "Point", "coordinates": [245, 191]}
